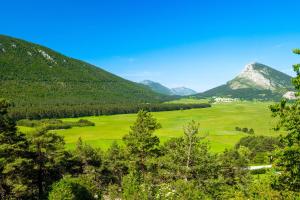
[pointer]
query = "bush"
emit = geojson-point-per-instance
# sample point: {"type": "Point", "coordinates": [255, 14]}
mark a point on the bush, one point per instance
{"type": "Point", "coordinates": [69, 189]}
{"type": "Point", "coordinates": [251, 131]}
{"type": "Point", "coordinates": [54, 124]}
{"type": "Point", "coordinates": [84, 122]}
{"type": "Point", "coordinates": [245, 130]}
{"type": "Point", "coordinates": [238, 129]}
{"type": "Point", "coordinates": [260, 146]}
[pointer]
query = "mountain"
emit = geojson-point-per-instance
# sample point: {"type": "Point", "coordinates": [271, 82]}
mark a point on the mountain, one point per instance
{"type": "Point", "coordinates": [256, 81]}
{"type": "Point", "coordinates": [159, 88]}
{"type": "Point", "coordinates": [183, 91]}
{"type": "Point", "coordinates": [32, 75]}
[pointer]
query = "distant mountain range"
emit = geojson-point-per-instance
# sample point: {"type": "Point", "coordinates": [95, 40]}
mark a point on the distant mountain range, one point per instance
{"type": "Point", "coordinates": [256, 81]}
{"type": "Point", "coordinates": [159, 88]}
{"type": "Point", "coordinates": [34, 75]}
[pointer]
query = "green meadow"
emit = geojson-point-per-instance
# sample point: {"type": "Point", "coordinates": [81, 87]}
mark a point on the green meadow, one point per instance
{"type": "Point", "coordinates": [218, 122]}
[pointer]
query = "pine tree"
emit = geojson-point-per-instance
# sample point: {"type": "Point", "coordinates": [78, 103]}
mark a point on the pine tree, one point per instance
{"type": "Point", "coordinates": [49, 157]}
{"type": "Point", "coordinates": [288, 158]}
{"type": "Point", "coordinates": [14, 164]}
{"type": "Point", "coordinates": [141, 144]}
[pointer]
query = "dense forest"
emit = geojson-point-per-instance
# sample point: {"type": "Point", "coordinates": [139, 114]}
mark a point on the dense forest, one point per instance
{"type": "Point", "coordinates": [63, 111]}
{"type": "Point", "coordinates": [44, 83]}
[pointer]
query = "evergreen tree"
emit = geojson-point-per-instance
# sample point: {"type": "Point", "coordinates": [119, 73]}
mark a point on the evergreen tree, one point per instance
{"type": "Point", "coordinates": [288, 160]}
{"type": "Point", "coordinates": [188, 157]}
{"type": "Point", "coordinates": [141, 144]}
{"type": "Point", "coordinates": [49, 160]}
{"type": "Point", "coordinates": [14, 164]}
{"type": "Point", "coordinates": [115, 162]}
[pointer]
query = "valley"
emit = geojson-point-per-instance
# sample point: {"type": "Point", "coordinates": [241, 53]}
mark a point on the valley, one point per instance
{"type": "Point", "coordinates": [149, 100]}
{"type": "Point", "coordinates": [218, 122]}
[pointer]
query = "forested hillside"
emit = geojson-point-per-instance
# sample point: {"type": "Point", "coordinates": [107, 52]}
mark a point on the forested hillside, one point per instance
{"type": "Point", "coordinates": [39, 79]}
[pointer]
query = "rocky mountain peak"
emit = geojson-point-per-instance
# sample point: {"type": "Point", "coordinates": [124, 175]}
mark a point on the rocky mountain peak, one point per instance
{"type": "Point", "coordinates": [260, 76]}
{"type": "Point", "coordinates": [254, 74]}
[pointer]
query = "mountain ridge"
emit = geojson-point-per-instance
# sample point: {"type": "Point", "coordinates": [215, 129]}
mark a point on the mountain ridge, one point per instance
{"type": "Point", "coordinates": [158, 87]}
{"type": "Point", "coordinates": [256, 81]}
{"type": "Point", "coordinates": [34, 75]}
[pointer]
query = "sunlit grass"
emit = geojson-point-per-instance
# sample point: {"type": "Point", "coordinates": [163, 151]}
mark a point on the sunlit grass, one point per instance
{"type": "Point", "coordinates": [218, 122]}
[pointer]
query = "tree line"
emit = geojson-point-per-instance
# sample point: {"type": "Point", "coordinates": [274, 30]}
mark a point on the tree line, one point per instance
{"type": "Point", "coordinates": [63, 111]}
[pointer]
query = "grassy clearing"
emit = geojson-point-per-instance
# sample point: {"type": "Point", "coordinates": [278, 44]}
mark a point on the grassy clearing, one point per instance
{"type": "Point", "coordinates": [219, 122]}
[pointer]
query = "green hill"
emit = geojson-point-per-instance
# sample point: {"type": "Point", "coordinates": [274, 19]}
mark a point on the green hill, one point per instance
{"type": "Point", "coordinates": [256, 81]}
{"type": "Point", "coordinates": [35, 77]}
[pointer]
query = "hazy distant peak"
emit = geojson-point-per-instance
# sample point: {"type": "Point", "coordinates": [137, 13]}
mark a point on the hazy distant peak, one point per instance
{"type": "Point", "coordinates": [183, 91]}
{"type": "Point", "coordinates": [147, 82]}
{"type": "Point", "coordinates": [159, 88]}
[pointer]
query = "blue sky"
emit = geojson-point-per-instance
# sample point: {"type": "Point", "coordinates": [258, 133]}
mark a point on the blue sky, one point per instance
{"type": "Point", "coordinates": [198, 44]}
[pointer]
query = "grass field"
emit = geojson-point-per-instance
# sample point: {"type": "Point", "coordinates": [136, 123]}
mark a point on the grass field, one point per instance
{"type": "Point", "coordinates": [219, 122]}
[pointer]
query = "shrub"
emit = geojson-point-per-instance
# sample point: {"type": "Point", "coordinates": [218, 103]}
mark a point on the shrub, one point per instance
{"type": "Point", "coordinates": [251, 131]}
{"type": "Point", "coordinates": [245, 130]}
{"type": "Point", "coordinates": [260, 146]}
{"type": "Point", "coordinates": [84, 122]}
{"type": "Point", "coordinates": [69, 189]}
{"type": "Point", "coordinates": [238, 128]}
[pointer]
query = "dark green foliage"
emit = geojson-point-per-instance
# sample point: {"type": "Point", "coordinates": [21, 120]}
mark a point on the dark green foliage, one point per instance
{"type": "Point", "coordinates": [245, 130]}
{"type": "Point", "coordinates": [48, 159]}
{"type": "Point", "coordinates": [116, 162]}
{"type": "Point", "coordinates": [260, 143]}
{"type": "Point", "coordinates": [63, 111]}
{"type": "Point", "coordinates": [140, 142]}
{"type": "Point", "coordinates": [238, 128]}
{"type": "Point", "coordinates": [251, 131]}
{"type": "Point", "coordinates": [288, 158]}
{"type": "Point", "coordinates": [87, 155]}
{"type": "Point", "coordinates": [53, 124]}
{"type": "Point", "coordinates": [14, 162]}
{"type": "Point", "coordinates": [84, 122]}
{"type": "Point", "coordinates": [39, 80]}
{"type": "Point", "coordinates": [70, 189]}
{"type": "Point", "coordinates": [233, 163]}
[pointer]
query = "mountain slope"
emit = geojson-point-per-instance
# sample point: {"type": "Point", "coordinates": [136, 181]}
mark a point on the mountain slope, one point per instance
{"type": "Point", "coordinates": [33, 75]}
{"type": "Point", "coordinates": [256, 81]}
{"type": "Point", "coordinates": [157, 87]}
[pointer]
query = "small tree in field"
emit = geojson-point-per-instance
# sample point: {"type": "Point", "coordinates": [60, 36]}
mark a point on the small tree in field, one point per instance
{"type": "Point", "coordinates": [288, 158]}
